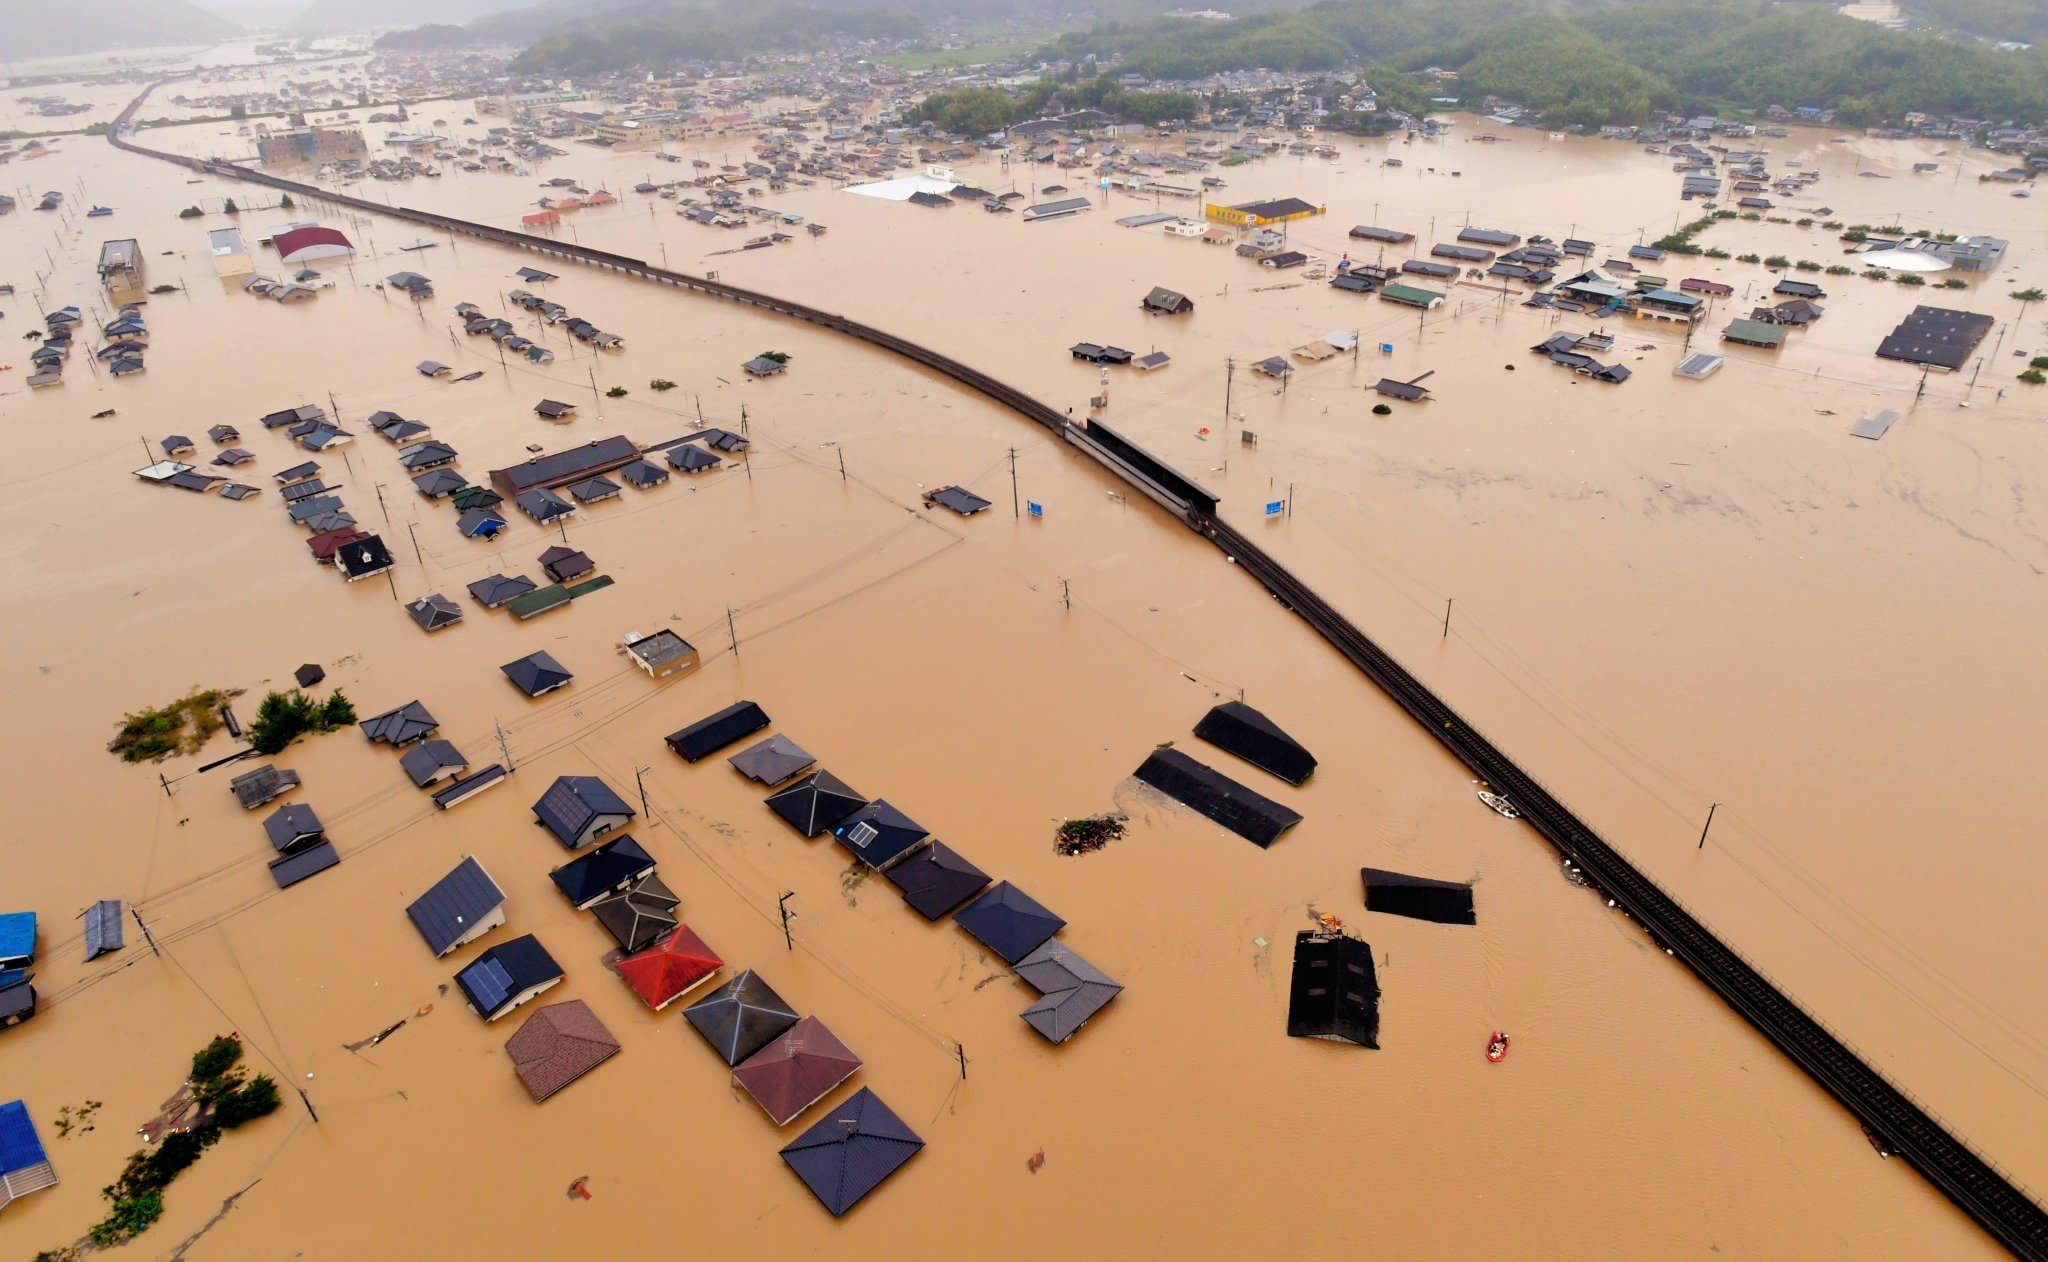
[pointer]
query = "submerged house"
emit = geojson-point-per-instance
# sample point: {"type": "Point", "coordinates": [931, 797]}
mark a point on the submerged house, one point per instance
{"type": "Point", "coordinates": [1334, 993]}
{"type": "Point", "coordinates": [1239, 729]}
{"type": "Point", "coordinates": [1418, 897]}
{"type": "Point", "coordinates": [1071, 990]}
{"type": "Point", "coordinates": [879, 834]}
{"type": "Point", "coordinates": [1164, 301]}
{"type": "Point", "coordinates": [669, 969]}
{"type": "Point", "coordinates": [1252, 816]}
{"type": "Point", "coordinates": [578, 810]}
{"type": "Point", "coordinates": [611, 868]}
{"type": "Point", "coordinates": [801, 1067]}
{"type": "Point", "coordinates": [1009, 922]}
{"type": "Point", "coordinates": [507, 975]}
{"type": "Point", "coordinates": [557, 1045]}
{"type": "Point", "coordinates": [851, 1151]}
{"type": "Point", "coordinates": [816, 804]}
{"type": "Point", "coordinates": [714, 732]}
{"type": "Point", "coordinates": [661, 653]}
{"type": "Point", "coordinates": [936, 880]}
{"type": "Point", "coordinates": [741, 1017]}
{"type": "Point", "coordinates": [459, 908]}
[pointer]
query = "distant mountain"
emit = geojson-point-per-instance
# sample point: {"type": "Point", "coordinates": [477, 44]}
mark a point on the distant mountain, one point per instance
{"type": "Point", "coordinates": [37, 28]}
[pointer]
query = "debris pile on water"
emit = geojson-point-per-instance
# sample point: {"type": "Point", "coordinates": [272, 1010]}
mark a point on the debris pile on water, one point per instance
{"type": "Point", "coordinates": [1087, 834]}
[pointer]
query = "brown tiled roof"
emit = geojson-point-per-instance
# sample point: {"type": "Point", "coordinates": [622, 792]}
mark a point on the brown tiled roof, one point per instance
{"type": "Point", "coordinates": [557, 1045]}
{"type": "Point", "coordinates": [797, 1070]}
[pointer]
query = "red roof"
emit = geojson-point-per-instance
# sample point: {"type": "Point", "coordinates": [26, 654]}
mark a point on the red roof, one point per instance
{"type": "Point", "coordinates": [289, 244]}
{"type": "Point", "coordinates": [666, 971]}
{"type": "Point", "coordinates": [557, 1045]}
{"type": "Point", "coordinates": [540, 217]}
{"type": "Point", "coordinates": [326, 545]}
{"type": "Point", "coordinates": [797, 1070]}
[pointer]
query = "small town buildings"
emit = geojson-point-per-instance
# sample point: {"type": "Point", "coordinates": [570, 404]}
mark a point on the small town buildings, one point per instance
{"type": "Point", "coordinates": [879, 834]}
{"type": "Point", "coordinates": [543, 505]}
{"type": "Point", "coordinates": [1412, 296]}
{"type": "Point", "coordinates": [771, 761]}
{"type": "Point", "coordinates": [715, 731]}
{"type": "Point", "coordinates": [459, 908]}
{"type": "Point", "coordinates": [1936, 337]}
{"type": "Point", "coordinates": [262, 786]}
{"type": "Point", "coordinates": [1754, 333]}
{"type": "Point", "coordinates": [1262, 214]}
{"type": "Point", "coordinates": [537, 674]}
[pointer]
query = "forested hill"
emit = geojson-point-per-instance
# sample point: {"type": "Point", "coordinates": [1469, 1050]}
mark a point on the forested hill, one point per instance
{"type": "Point", "coordinates": [1595, 66]}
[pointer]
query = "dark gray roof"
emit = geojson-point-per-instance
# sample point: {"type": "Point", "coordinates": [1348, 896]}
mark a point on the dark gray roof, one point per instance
{"type": "Point", "coordinates": [592, 489]}
{"type": "Point", "coordinates": [434, 612]}
{"type": "Point", "coordinates": [604, 870]}
{"type": "Point", "coordinates": [1009, 922]}
{"type": "Point", "coordinates": [936, 880]}
{"type": "Point", "coordinates": [1071, 990]}
{"type": "Point", "coordinates": [291, 826]}
{"type": "Point", "coordinates": [401, 726]}
{"type": "Point", "coordinates": [1256, 818]}
{"type": "Point", "coordinates": [426, 761]}
{"type": "Point", "coordinates": [455, 902]}
{"type": "Point", "coordinates": [426, 455]}
{"type": "Point", "coordinates": [690, 458]}
{"type": "Point", "coordinates": [958, 498]}
{"type": "Point", "coordinates": [455, 791]}
{"type": "Point", "coordinates": [1334, 993]}
{"type": "Point", "coordinates": [878, 834]}
{"type": "Point", "coordinates": [815, 803]}
{"type": "Point", "coordinates": [642, 473]}
{"type": "Point", "coordinates": [499, 974]}
{"type": "Point", "coordinates": [1241, 730]}
{"type": "Point", "coordinates": [771, 761]}
{"type": "Point", "coordinates": [543, 505]}
{"type": "Point", "coordinates": [714, 732]}
{"type": "Point", "coordinates": [496, 589]}
{"type": "Point", "coordinates": [256, 788]}
{"type": "Point", "coordinates": [103, 928]}
{"type": "Point", "coordinates": [851, 1151]}
{"type": "Point", "coordinates": [293, 868]}
{"type": "Point", "coordinates": [741, 1017]}
{"type": "Point", "coordinates": [571, 802]}
{"type": "Point", "coordinates": [537, 673]}
{"type": "Point", "coordinates": [638, 915]}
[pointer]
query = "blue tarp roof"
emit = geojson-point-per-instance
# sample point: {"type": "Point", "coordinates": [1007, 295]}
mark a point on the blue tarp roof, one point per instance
{"type": "Point", "coordinates": [17, 935]}
{"type": "Point", "coordinates": [20, 1147]}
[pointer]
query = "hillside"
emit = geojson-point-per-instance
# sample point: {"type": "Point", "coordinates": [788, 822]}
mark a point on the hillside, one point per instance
{"type": "Point", "coordinates": [1614, 64]}
{"type": "Point", "coordinates": [92, 26]}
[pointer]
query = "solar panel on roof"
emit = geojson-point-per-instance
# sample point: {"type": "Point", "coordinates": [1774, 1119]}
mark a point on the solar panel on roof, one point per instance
{"type": "Point", "coordinates": [862, 833]}
{"type": "Point", "coordinates": [491, 983]}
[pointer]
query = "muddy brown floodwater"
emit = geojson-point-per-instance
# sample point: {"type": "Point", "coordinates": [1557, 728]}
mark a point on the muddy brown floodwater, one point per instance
{"type": "Point", "coordinates": [1666, 594]}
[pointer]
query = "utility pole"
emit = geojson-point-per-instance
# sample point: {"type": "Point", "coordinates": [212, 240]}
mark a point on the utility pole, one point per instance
{"type": "Point", "coordinates": [732, 631]}
{"type": "Point", "coordinates": [414, 535]}
{"type": "Point", "coordinates": [1711, 808]}
{"type": "Point", "coordinates": [961, 1052]}
{"type": "Point", "coordinates": [143, 925]}
{"type": "Point", "coordinates": [640, 780]}
{"type": "Point", "coordinates": [782, 905]}
{"type": "Point", "coordinates": [1447, 616]}
{"type": "Point", "coordinates": [1066, 596]}
{"type": "Point", "coordinates": [1014, 510]}
{"type": "Point", "coordinates": [504, 749]}
{"type": "Point", "coordinates": [380, 504]}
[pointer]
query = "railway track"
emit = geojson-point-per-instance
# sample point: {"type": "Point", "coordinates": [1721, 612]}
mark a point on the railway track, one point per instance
{"type": "Point", "coordinates": [1976, 1187]}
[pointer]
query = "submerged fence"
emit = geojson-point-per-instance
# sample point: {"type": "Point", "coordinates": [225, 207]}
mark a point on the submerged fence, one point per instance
{"type": "Point", "coordinates": [1977, 1187]}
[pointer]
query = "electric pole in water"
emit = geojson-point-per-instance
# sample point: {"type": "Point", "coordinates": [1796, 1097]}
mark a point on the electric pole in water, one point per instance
{"type": "Point", "coordinates": [143, 925]}
{"type": "Point", "coordinates": [640, 781]}
{"type": "Point", "coordinates": [782, 905]}
{"type": "Point", "coordinates": [732, 631]}
{"type": "Point", "coordinates": [1447, 616]}
{"type": "Point", "coordinates": [504, 749]}
{"type": "Point", "coordinates": [1014, 510]}
{"type": "Point", "coordinates": [1711, 808]}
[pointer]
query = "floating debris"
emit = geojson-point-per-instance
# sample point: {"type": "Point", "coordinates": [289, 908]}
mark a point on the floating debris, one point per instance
{"type": "Point", "coordinates": [1035, 1161]}
{"type": "Point", "coordinates": [579, 1189]}
{"type": "Point", "coordinates": [1087, 834]}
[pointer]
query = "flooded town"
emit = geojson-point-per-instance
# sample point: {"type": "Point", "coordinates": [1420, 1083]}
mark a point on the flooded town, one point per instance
{"type": "Point", "coordinates": [591, 630]}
